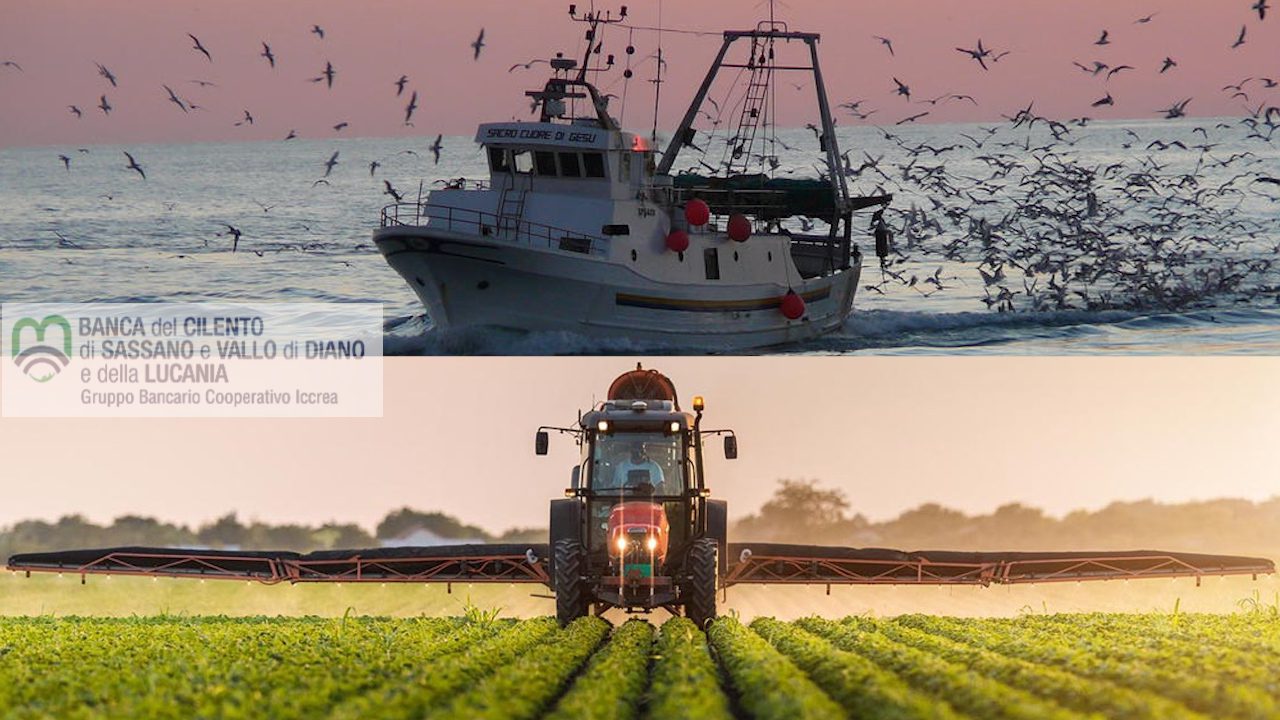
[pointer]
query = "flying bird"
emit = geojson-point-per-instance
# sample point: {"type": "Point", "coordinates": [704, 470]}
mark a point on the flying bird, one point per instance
{"type": "Point", "coordinates": [1103, 40]}
{"type": "Point", "coordinates": [886, 42]}
{"type": "Point", "coordinates": [1108, 100]}
{"type": "Point", "coordinates": [1176, 110]}
{"type": "Point", "coordinates": [266, 53]}
{"type": "Point", "coordinates": [133, 165]}
{"type": "Point", "coordinates": [1117, 69]}
{"type": "Point", "coordinates": [1145, 20]}
{"type": "Point", "coordinates": [1261, 6]}
{"type": "Point", "coordinates": [1240, 40]}
{"type": "Point", "coordinates": [413, 105]}
{"type": "Point", "coordinates": [327, 75]}
{"type": "Point", "coordinates": [373, 167]}
{"type": "Point", "coordinates": [292, 134]}
{"type": "Point", "coordinates": [980, 54]}
{"type": "Point", "coordinates": [1168, 63]}
{"type": "Point", "coordinates": [400, 85]}
{"type": "Point", "coordinates": [173, 98]}
{"type": "Point", "coordinates": [341, 126]}
{"type": "Point", "coordinates": [902, 89]}
{"type": "Point", "coordinates": [912, 118]}
{"type": "Point", "coordinates": [526, 66]}
{"type": "Point", "coordinates": [66, 162]}
{"type": "Point", "coordinates": [104, 72]}
{"type": "Point", "coordinates": [477, 45]}
{"type": "Point", "coordinates": [248, 119]}
{"type": "Point", "coordinates": [199, 48]}
{"type": "Point", "coordinates": [391, 191]}
{"type": "Point", "coordinates": [317, 30]}
{"type": "Point", "coordinates": [436, 147]}
{"type": "Point", "coordinates": [330, 163]}
{"type": "Point", "coordinates": [104, 106]}
{"type": "Point", "coordinates": [12, 64]}
{"type": "Point", "coordinates": [235, 234]}
{"type": "Point", "coordinates": [75, 111]}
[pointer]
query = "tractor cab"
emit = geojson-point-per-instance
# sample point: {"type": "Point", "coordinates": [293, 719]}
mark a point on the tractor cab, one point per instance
{"type": "Point", "coordinates": [637, 518]}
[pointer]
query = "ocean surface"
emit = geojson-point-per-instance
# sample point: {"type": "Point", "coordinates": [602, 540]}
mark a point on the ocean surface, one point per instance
{"type": "Point", "coordinates": [1105, 238]}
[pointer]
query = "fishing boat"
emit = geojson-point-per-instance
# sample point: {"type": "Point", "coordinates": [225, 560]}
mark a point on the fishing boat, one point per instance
{"type": "Point", "coordinates": [583, 227]}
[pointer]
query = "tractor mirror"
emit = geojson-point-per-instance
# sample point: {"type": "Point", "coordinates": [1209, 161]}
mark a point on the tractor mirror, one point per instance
{"type": "Point", "coordinates": [540, 442]}
{"type": "Point", "coordinates": [731, 447]}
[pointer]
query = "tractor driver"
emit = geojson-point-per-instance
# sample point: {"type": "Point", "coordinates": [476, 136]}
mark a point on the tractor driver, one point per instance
{"type": "Point", "coordinates": [638, 470]}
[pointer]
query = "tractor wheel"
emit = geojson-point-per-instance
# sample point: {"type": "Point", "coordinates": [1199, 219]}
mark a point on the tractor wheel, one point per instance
{"type": "Point", "coordinates": [571, 591]}
{"type": "Point", "coordinates": [700, 587]}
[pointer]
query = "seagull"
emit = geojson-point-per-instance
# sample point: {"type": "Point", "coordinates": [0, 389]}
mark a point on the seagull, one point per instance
{"type": "Point", "coordinates": [886, 42]}
{"type": "Point", "coordinates": [1117, 69]}
{"type": "Point", "coordinates": [479, 43]}
{"type": "Point", "coordinates": [400, 85]}
{"type": "Point", "coordinates": [1108, 100]}
{"type": "Point", "coordinates": [373, 167]}
{"type": "Point", "coordinates": [104, 106]}
{"type": "Point", "coordinates": [436, 147]}
{"type": "Point", "coordinates": [1261, 6]}
{"type": "Point", "coordinates": [203, 83]}
{"type": "Point", "coordinates": [12, 64]}
{"type": "Point", "coordinates": [1168, 63]}
{"type": "Point", "coordinates": [526, 66]}
{"type": "Point", "coordinates": [341, 126]}
{"type": "Point", "coordinates": [248, 119]}
{"type": "Point", "coordinates": [391, 191]}
{"type": "Point", "coordinates": [75, 111]}
{"type": "Point", "coordinates": [235, 234]}
{"type": "Point", "coordinates": [1176, 110]}
{"type": "Point", "coordinates": [912, 118]}
{"type": "Point", "coordinates": [292, 134]}
{"type": "Point", "coordinates": [327, 75]}
{"type": "Point", "coordinates": [408, 109]}
{"type": "Point", "coordinates": [266, 53]}
{"type": "Point", "coordinates": [104, 72]}
{"type": "Point", "coordinates": [173, 98]}
{"type": "Point", "coordinates": [903, 90]}
{"type": "Point", "coordinates": [1240, 40]}
{"type": "Point", "coordinates": [66, 162]}
{"type": "Point", "coordinates": [330, 163]}
{"type": "Point", "coordinates": [978, 54]}
{"type": "Point", "coordinates": [133, 165]}
{"type": "Point", "coordinates": [1103, 40]}
{"type": "Point", "coordinates": [317, 30]}
{"type": "Point", "coordinates": [199, 48]}
{"type": "Point", "coordinates": [1145, 20]}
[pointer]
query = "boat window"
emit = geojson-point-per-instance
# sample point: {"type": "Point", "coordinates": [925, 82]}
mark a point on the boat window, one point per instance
{"type": "Point", "coordinates": [594, 164]}
{"type": "Point", "coordinates": [712, 258]}
{"type": "Point", "coordinates": [625, 173]}
{"type": "Point", "coordinates": [522, 161]}
{"type": "Point", "coordinates": [546, 162]}
{"type": "Point", "coordinates": [569, 165]}
{"type": "Point", "coordinates": [498, 160]}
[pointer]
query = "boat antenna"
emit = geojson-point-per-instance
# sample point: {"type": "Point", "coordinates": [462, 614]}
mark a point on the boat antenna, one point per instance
{"type": "Point", "coordinates": [657, 79]}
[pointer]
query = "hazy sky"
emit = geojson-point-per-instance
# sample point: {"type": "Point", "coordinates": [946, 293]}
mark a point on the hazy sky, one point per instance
{"type": "Point", "coordinates": [371, 43]}
{"type": "Point", "coordinates": [971, 433]}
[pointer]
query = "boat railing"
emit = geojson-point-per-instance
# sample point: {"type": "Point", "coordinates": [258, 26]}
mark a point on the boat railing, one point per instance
{"type": "Point", "coordinates": [487, 224]}
{"type": "Point", "coordinates": [725, 201]}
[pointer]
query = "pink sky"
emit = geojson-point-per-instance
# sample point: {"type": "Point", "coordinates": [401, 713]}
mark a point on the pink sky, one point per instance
{"type": "Point", "coordinates": [371, 43]}
{"type": "Point", "coordinates": [457, 436]}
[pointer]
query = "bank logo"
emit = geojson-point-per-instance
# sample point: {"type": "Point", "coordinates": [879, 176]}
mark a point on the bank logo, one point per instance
{"type": "Point", "coordinates": [43, 359]}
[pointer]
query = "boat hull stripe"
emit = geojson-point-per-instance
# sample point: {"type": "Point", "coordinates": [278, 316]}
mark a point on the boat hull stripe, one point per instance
{"type": "Point", "coordinates": [661, 303]}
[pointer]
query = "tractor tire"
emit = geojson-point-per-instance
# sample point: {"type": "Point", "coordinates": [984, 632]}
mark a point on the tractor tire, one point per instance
{"type": "Point", "coordinates": [571, 591]}
{"type": "Point", "coordinates": [700, 588]}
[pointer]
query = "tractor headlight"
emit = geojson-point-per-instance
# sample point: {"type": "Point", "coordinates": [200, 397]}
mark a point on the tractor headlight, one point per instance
{"type": "Point", "coordinates": [622, 544]}
{"type": "Point", "coordinates": [603, 426]}
{"type": "Point", "coordinates": [651, 543]}
{"type": "Point", "coordinates": [674, 427]}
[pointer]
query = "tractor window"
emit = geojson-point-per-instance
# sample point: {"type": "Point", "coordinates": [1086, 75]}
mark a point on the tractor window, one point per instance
{"type": "Point", "coordinates": [498, 160]}
{"type": "Point", "coordinates": [638, 464]}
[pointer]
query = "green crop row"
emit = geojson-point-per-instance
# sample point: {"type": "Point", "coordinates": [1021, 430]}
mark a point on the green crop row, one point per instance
{"type": "Point", "coordinates": [613, 684]}
{"type": "Point", "coordinates": [966, 690]}
{"type": "Point", "coordinates": [768, 685]}
{"type": "Point", "coordinates": [530, 685]}
{"type": "Point", "coordinates": [1080, 655]}
{"type": "Point", "coordinates": [865, 689]}
{"type": "Point", "coordinates": [685, 681]}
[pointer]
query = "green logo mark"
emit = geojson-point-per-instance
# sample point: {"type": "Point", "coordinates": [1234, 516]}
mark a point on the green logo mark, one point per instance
{"type": "Point", "coordinates": [41, 355]}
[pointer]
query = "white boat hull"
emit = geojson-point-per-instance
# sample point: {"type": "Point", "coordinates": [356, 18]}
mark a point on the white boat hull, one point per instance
{"type": "Point", "coordinates": [467, 281]}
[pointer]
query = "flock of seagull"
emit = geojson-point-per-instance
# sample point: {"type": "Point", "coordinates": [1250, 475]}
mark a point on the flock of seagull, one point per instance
{"type": "Point", "coordinates": [1048, 223]}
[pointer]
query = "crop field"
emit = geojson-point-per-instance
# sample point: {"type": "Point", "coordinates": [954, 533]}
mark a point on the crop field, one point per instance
{"type": "Point", "coordinates": [480, 666]}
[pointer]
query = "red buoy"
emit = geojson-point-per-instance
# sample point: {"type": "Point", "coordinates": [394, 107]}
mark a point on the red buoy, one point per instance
{"type": "Point", "coordinates": [739, 227]}
{"type": "Point", "coordinates": [792, 305]}
{"type": "Point", "coordinates": [697, 213]}
{"type": "Point", "coordinates": [678, 241]}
